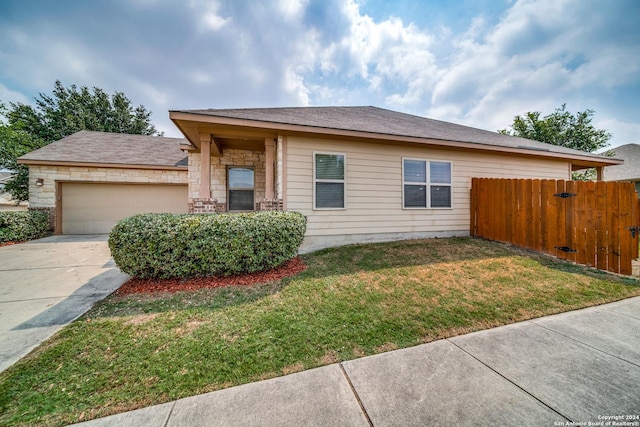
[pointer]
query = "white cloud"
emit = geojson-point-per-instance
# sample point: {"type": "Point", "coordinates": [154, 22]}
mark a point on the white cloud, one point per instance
{"type": "Point", "coordinates": [391, 58]}
{"type": "Point", "coordinates": [156, 95]}
{"type": "Point", "coordinates": [208, 11]}
{"type": "Point", "coordinates": [540, 55]}
{"type": "Point", "coordinates": [225, 53]}
{"type": "Point", "coordinates": [7, 95]}
{"type": "Point", "coordinates": [201, 77]}
{"type": "Point", "coordinates": [623, 132]}
{"type": "Point", "coordinates": [294, 84]}
{"type": "Point", "coordinates": [292, 9]}
{"type": "Point", "coordinates": [35, 60]}
{"type": "Point", "coordinates": [214, 21]}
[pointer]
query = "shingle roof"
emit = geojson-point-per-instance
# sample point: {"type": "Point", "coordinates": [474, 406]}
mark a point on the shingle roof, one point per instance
{"type": "Point", "coordinates": [630, 170]}
{"type": "Point", "coordinates": [381, 121]}
{"type": "Point", "coordinates": [112, 148]}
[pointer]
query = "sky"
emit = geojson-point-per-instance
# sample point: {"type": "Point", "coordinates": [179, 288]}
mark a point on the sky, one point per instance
{"type": "Point", "coordinates": [472, 62]}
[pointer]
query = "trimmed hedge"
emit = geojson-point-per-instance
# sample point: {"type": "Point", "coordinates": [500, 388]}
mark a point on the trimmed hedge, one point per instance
{"type": "Point", "coordinates": [18, 226]}
{"type": "Point", "coordinates": [183, 245]}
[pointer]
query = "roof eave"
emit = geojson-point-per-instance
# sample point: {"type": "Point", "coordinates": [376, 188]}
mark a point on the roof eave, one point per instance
{"type": "Point", "coordinates": [30, 162]}
{"type": "Point", "coordinates": [180, 118]}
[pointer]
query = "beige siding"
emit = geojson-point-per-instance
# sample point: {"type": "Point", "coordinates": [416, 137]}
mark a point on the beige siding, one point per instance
{"type": "Point", "coordinates": [374, 186]}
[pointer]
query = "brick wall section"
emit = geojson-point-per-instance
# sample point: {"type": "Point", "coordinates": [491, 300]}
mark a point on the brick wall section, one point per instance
{"type": "Point", "coordinates": [270, 205]}
{"type": "Point", "coordinates": [206, 206]}
{"type": "Point", "coordinates": [213, 206]}
{"type": "Point", "coordinates": [44, 196]}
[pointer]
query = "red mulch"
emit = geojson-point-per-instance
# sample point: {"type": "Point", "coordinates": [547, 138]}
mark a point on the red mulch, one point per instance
{"type": "Point", "coordinates": [147, 286]}
{"type": "Point", "coordinates": [9, 243]}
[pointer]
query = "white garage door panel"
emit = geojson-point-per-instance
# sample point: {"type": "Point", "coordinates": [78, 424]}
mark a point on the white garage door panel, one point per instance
{"type": "Point", "coordinates": [96, 208]}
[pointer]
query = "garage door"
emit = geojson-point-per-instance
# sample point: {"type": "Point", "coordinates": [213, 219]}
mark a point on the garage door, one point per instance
{"type": "Point", "coordinates": [96, 208]}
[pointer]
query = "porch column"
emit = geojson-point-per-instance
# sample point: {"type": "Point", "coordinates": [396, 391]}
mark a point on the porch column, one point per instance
{"type": "Point", "coordinates": [269, 150]}
{"type": "Point", "coordinates": [599, 171]}
{"type": "Point", "coordinates": [205, 166]}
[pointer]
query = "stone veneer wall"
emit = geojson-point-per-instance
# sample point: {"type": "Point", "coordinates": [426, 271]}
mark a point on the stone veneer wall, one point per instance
{"type": "Point", "coordinates": [252, 159]}
{"type": "Point", "coordinates": [45, 196]}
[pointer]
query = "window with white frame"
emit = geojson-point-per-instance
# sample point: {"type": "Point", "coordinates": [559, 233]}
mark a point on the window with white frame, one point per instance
{"type": "Point", "coordinates": [426, 184]}
{"type": "Point", "coordinates": [328, 181]}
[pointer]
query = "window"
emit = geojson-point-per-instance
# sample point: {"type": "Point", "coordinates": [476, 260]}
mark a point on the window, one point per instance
{"type": "Point", "coordinates": [328, 182]}
{"type": "Point", "coordinates": [240, 189]}
{"type": "Point", "coordinates": [426, 184]}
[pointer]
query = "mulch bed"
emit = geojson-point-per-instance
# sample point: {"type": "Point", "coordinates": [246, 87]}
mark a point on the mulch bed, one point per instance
{"type": "Point", "coordinates": [9, 243]}
{"type": "Point", "coordinates": [147, 286]}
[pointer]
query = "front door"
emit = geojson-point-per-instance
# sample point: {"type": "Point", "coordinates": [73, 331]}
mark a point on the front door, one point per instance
{"type": "Point", "coordinates": [240, 189]}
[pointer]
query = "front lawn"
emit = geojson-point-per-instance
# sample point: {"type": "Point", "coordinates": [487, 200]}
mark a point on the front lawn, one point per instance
{"type": "Point", "coordinates": [138, 350]}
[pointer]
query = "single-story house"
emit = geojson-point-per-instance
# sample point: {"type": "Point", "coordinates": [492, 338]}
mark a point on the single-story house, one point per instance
{"type": "Point", "coordinates": [359, 174]}
{"type": "Point", "coordinates": [630, 170]}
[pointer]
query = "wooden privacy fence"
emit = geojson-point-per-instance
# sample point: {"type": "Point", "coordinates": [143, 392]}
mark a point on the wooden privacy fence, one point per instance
{"type": "Point", "coordinates": [590, 223]}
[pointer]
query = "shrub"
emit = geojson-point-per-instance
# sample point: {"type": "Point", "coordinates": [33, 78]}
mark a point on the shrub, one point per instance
{"type": "Point", "coordinates": [17, 226]}
{"type": "Point", "coordinates": [182, 245]}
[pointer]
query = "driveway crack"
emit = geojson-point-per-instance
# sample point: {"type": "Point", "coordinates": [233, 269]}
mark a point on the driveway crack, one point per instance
{"type": "Point", "coordinates": [166, 422]}
{"type": "Point", "coordinates": [355, 393]}
{"type": "Point", "coordinates": [546, 328]}
{"type": "Point", "coordinates": [537, 399]}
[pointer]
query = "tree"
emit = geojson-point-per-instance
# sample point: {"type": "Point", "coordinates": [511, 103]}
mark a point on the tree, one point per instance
{"type": "Point", "coordinates": [69, 110]}
{"type": "Point", "coordinates": [563, 129]}
{"type": "Point", "coordinates": [13, 144]}
{"type": "Point", "coordinates": [64, 112]}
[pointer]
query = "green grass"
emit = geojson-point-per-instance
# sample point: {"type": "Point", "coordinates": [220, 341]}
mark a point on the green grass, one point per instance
{"type": "Point", "coordinates": [134, 351]}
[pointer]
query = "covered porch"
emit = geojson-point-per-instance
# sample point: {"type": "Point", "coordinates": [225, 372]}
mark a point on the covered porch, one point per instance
{"type": "Point", "coordinates": [232, 169]}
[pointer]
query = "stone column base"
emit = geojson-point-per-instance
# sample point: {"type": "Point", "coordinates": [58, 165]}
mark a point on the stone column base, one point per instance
{"type": "Point", "coordinates": [205, 205]}
{"type": "Point", "coordinates": [270, 205]}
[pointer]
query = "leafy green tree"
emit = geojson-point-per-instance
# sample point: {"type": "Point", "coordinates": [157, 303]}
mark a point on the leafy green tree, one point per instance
{"type": "Point", "coordinates": [64, 112]}
{"type": "Point", "coordinates": [69, 110]}
{"type": "Point", "coordinates": [13, 144]}
{"type": "Point", "coordinates": [564, 129]}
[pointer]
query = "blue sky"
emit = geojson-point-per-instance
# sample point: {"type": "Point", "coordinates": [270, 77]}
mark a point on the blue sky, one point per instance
{"type": "Point", "coordinates": [474, 62]}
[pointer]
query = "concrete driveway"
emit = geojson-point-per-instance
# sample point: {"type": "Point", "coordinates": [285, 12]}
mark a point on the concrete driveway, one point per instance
{"type": "Point", "coordinates": [47, 283]}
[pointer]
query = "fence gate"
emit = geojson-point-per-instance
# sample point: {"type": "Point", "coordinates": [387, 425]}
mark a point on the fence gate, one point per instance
{"type": "Point", "coordinates": [590, 223]}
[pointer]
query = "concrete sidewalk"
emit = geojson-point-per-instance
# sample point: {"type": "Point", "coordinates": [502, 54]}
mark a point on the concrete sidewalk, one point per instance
{"type": "Point", "coordinates": [568, 369]}
{"type": "Point", "coordinates": [47, 283]}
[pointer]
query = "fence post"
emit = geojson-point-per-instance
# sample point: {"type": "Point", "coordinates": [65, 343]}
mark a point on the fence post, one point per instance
{"type": "Point", "coordinates": [613, 241]}
{"type": "Point", "coordinates": [590, 242]}
{"type": "Point", "coordinates": [626, 195]}
{"type": "Point", "coordinates": [473, 230]}
{"type": "Point", "coordinates": [601, 225]}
